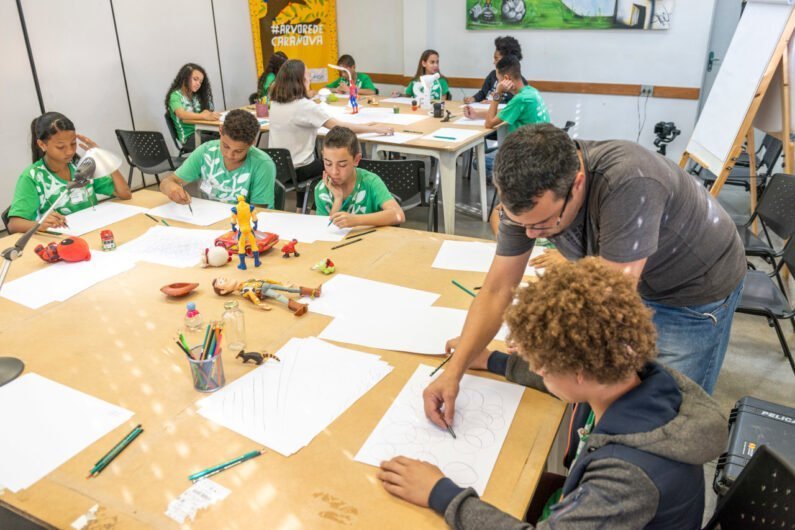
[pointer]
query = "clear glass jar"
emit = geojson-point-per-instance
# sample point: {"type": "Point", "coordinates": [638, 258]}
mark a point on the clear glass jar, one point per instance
{"type": "Point", "coordinates": [234, 327]}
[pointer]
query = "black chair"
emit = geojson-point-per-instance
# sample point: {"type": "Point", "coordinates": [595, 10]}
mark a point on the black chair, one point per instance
{"type": "Point", "coordinates": [172, 130]}
{"type": "Point", "coordinates": [285, 172]}
{"type": "Point", "coordinates": [4, 217]}
{"type": "Point", "coordinates": [762, 297]}
{"type": "Point", "coordinates": [278, 195]}
{"type": "Point", "coordinates": [146, 151]}
{"type": "Point", "coordinates": [740, 175]}
{"type": "Point", "coordinates": [775, 212]}
{"type": "Point", "coordinates": [405, 180]}
{"type": "Point", "coordinates": [760, 498]}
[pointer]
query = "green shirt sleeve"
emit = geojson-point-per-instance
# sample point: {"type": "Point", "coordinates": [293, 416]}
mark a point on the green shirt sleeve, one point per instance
{"type": "Point", "coordinates": [104, 186]}
{"type": "Point", "coordinates": [321, 199]}
{"type": "Point", "coordinates": [335, 83]}
{"type": "Point", "coordinates": [367, 83]}
{"type": "Point", "coordinates": [410, 89]}
{"type": "Point", "coordinates": [263, 173]}
{"type": "Point", "coordinates": [175, 101]}
{"type": "Point", "coordinates": [380, 192]}
{"type": "Point", "coordinates": [25, 203]}
{"type": "Point", "coordinates": [190, 170]}
{"type": "Point", "coordinates": [269, 79]}
{"type": "Point", "coordinates": [445, 88]}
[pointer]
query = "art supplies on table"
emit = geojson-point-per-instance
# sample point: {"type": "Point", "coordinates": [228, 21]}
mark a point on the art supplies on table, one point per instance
{"type": "Point", "coordinates": [103, 462]}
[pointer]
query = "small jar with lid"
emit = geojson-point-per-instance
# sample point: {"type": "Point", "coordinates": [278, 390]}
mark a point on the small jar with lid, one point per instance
{"type": "Point", "coordinates": [234, 327]}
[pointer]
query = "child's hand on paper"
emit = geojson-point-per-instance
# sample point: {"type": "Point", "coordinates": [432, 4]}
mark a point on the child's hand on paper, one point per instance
{"type": "Point", "coordinates": [409, 479]}
{"type": "Point", "coordinates": [210, 115]}
{"type": "Point", "coordinates": [54, 220]}
{"type": "Point", "coordinates": [381, 129]}
{"type": "Point", "coordinates": [481, 362]}
{"type": "Point", "coordinates": [469, 99]}
{"type": "Point", "coordinates": [342, 88]}
{"type": "Point", "coordinates": [178, 194]}
{"type": "Point", "coordinates": [343, 220]}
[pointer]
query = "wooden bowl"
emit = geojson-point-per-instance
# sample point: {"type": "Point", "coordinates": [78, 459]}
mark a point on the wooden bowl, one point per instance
{"type": "Point", "coordinates": [178, 289]}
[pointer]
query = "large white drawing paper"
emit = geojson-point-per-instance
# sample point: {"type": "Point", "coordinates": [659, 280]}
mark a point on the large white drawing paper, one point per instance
{"type": "Point", "coordinates": [398, 100]}
{"type": "Point", "coordinates": [450, 134]}
{"type": "Point", "coordinates": [97, 217]}
{"type": "Point", "coordinates": [60, 281]}
{"type": "Point", "coordinates": [304, 228]}
{"type": "Point", "coordinates": [473, 256]}
{"type": "Point", "coordinates": [170, 245]}
{"type": "Point", "coordinates": [45, 424]}
{"type": "Point", "coordinates": [397, 138]}
{"type": "Point", "coordinates": [484, 411]}
{"type": "Point", "coordinates": [284, 405]}
{"type": "Point", "coordinates": [204, 213]}
{"type": "Point", "coordinates": [423, 330]}
{"type": "Point", "coordinates": [484, 106]}
{"type": "Point", "coordinates": [345, 295]}
{"type": "Point", "coordinates": [470, 122]}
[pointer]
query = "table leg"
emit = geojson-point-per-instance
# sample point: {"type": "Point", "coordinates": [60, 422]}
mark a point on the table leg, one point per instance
{"type": "Point", "coordinates": [447, 177]}
{"type": "Point", "coordinates": [484, 198]}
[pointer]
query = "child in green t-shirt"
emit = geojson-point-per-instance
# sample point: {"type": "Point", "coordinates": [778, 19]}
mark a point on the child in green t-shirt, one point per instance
{"type": "Point", "coordinates": [228, 167]}
{"type": "Point", "coordinates": [190, 97]}
{"type": "Point", "coordinates": [53, 144]}
{"type": "Point", "coordinates": [269, 74]}
{"type": "Point", "coordinates": [342, 83]}
{"type": "Point", "coordinates": [349, 195]}
{"type": "Point", "coordinates": [429, 65]}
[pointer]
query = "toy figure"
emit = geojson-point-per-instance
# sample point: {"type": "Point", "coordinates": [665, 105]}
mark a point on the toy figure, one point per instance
{"type": "Point", "coordinates": [71, 249]}
{"type": "Point", "coordinates": [108, 241]}
{"type": "Point", "coordinates": [255, 356]}
{"type": "Point", "coordinates": [215, 257]}
{"type": "Point", "coordinates": [354, 93]}
{"type": "Point", "coordinates": [258, 290]}
{"type": "Point", "coordinates": [243, 224]}
{"type": "Point", "coordinates": [193, 319]}
{"type": "Point", "coordinates": [326, 266]}
{"type": "Point", "coordinates": [289, 248]}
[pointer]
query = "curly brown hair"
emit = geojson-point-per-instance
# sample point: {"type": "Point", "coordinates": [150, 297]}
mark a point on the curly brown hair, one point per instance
{"type": "Point", "coordinates": [583, 317]}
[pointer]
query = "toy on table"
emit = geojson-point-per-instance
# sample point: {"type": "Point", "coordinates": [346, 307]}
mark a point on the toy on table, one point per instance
{"type": "Point", "coordinates": [255, 356]}
{"type": "Point", "coordinates": [289, 248]}
{"type": "Point", "coordinates": [243, 224]}
{"type": "Point", "coordinates": [193, 319]}
{"type": "Point", "coordinates": [353, 97]}
{"type": "Point", "coordinates": [72, 249]}
{"type": "Point", "coordinates": [216, 256]}
{"type": "Point", "coordinates": [265, 242]}
{"type": "Point", "coordinates": [108, 241]}
{"type": "Point", "coordinates": [178, 289]}
{"type": "Point", "coordinates": [326, 266]}
{"type": "Point", "coordinates": [258, 290]}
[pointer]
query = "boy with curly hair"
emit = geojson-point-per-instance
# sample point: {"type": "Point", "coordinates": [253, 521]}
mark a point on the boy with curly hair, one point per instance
{"type": "Point", "coordinates": [583, 334]}
{"type": "Point", "coordinates": [228, 167]}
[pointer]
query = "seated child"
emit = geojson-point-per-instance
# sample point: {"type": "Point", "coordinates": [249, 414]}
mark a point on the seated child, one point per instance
{"type": "Point", "coordinates": [584, 335]}
{"type": "Point", "coordinates": [269, 74]}
{"type": "Point", "coordinates": [190, 97]}
{"type": "Point", "coordinates": [54, 147]}
{"type": "Point", "coordinates": [503, 46]}
{"type": "Point", "coordinates": [227, 167]}
{"type": "Point", "coordinates": [429, 65]}
{"type": "Point", "coordinates": [349, 195]}
{"type": "Point", "coordinates": [363, 81]}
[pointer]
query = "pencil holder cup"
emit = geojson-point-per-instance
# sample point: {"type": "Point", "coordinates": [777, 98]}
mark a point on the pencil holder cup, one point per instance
{"type": "Point", "coordinates": [207, 374]}
{"type": "Point", "coordinates": [261, 109]}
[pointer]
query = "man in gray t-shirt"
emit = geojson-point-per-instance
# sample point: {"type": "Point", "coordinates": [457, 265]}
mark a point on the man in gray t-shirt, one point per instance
{"type": "Point", "coordinates": [636, 210]}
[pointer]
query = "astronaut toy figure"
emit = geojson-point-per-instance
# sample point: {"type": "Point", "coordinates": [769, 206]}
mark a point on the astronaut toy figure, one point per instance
{"type": "Point", "coordinates": [256, 291]}
{"type": "Point", "coordinates": [244, 224]}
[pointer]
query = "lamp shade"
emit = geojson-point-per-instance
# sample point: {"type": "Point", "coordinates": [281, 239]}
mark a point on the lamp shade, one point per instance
{"type": "Point", "coordinates": [105, 161]}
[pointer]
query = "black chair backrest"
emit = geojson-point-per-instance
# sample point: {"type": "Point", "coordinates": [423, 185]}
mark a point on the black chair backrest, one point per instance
{"type": "Point", "coordinates": [285, 171]}
{"type": "Point", "coordinates": [761, 497]}
{"type": "Point", "coordinates": [788, 258]}
{"type": "Point", "coordinates": [404, 178]}
{"type": "Point", "coordinates": [773, 148]}
{"type": "Point", "coordinates": [278, 195]}
{"type": "Point", "coordinates": [253, 98]}
{"type": "Point", "coordinates": [777, 207]}
{"type": "Point", "coordinates": [172, 130]}
{"type": "Point", "coordinates": [143, 149]}
{"type": "Point", "coordinates": [4, 216]}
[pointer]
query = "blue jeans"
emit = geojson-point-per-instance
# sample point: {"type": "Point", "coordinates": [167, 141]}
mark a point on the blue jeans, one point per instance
{"type": "Point", "coordinates": [490, 163]}
{"type": "Point", "coordinates": [693, 339]}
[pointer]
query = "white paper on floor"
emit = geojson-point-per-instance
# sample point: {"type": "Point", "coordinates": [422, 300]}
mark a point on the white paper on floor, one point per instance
{"type": "Point", "coordinates": [60, 281]}
{"type": "Point", "coordinates": [272, 404]}
{"type": "Point", "coordinates": [170, 245]}
{"type": "Point", "coordinates": [204, 213]}
{"type": "Point", "coordinates": [474, 256]}
{"type": "Point", "coordinates": [304, 228]}
{"type": "Point", "coordinates": [45, 424]}
{"type": "Point", "coordinates": [484, 411]}
{"type": "Point", "coordinates": [97, 217]}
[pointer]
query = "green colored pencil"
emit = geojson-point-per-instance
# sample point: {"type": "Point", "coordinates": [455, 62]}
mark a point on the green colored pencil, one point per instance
{"type": "Point", "coordinates": [467, 291]}
{"type": "Point", "coordinates": [113, 453]}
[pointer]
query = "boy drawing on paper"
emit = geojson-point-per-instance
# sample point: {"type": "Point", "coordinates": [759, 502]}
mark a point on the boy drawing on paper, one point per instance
{"type": "Point", "coordinates": [349, 195]}
{"type": "Point", "coordinates": [362, 80]}
{"type": "Point", "coordinates": [584, 335]}
{"type": "Point", "coordinates": [228, 167]}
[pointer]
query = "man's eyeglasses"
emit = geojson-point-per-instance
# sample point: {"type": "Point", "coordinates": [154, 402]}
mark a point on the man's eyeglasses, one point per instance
{"type": "Point", "coordinates": [535, 227]}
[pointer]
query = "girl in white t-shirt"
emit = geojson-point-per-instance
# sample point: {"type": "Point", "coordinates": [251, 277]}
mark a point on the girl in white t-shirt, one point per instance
{"type": "Point", "coordinates": [295, 120]}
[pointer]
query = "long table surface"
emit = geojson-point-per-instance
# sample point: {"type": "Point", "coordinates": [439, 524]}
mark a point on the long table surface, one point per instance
{"type": "Point", "coordinates": [114, 341]}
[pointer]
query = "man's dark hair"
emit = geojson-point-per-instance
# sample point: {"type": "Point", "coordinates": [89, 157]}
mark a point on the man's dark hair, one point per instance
{"type": "Point", "coordinates": [531, 160]}
{"type": "Point", "coordinates": [508, 46]}
{"type": "Point", "coordinates": [339, 137]}
{"type": "Point", "coordinates": [509, 65]}
{"type": "Point", "coordinates": [241, 126]}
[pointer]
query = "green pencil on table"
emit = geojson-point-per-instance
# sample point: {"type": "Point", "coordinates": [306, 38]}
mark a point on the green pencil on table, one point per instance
{"type": "Point", "coordinates": [470, 293]}
{"type": "Point", "coordinates": [210, 471]}
{"type": "Point", "coordinates": [103, 462]}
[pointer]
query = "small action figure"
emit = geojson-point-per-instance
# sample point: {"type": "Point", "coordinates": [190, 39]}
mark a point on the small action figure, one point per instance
{"type": "Point", "coordinates": [255, 356]}
{"type": "Point", "coordinates": [354, 94]}
{"type": "Point", "coordinates": [326, 266]}
{"type": "Point", "coordinates": [289, 248]}
{"type": "Point", "coordinates": [258, 290]}
{"type": "Point", "coordinates": [108, 242]}
{"type": "Point", "coordinates": [193, 319]}
{"type": "Point", "coordinates": [72, 249]}
{"type": "Point", "coordinates": [215, 257]}
{"type": "Point", "coordinates": [243, 224]}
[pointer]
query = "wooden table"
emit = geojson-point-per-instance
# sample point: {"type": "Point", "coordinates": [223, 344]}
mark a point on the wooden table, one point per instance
{"type": "Point", "coordinates": [445, 153]}
{"type": "Point", "coordinates": [114, 341]}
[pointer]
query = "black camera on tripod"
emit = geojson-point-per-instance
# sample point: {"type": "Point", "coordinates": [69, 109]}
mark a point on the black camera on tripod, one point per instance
{"type": "Point", "coordinates": [666, 132]}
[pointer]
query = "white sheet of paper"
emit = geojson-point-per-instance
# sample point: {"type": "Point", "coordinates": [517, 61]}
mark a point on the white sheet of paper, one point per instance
{"type": "Point", "coordinates": [271, 404]}
{"type": "Point", "coordinates": [170, 245]}
{"type": "Point", "coordinates": [99, 216]}
{"type": "Point", "coordinates": [404, 118]}
{"type": "Point", "coordinates": [485, 106]}
{"type": "Point", "coordinates": [304, 228]}
{"type": "Point", "coordinates": [345, 295]}
{"type": "Point", "coordinates": [474, 256]}
{"type": "Point", "coordinates": [45, 424]}
{"type": "Point", "coordinates": [397, 138]}
{"type": "Point", "coordinates": [200, 495]}
{"type": "Point", "coordinates": [449, 134]}
{"type": "Point", "coordinates": [484, 411]}
{"type": "Point", "coordinates": [470, 122]}
{"type": "Point", "coordinates": [205, 212]}
{"type": "Point", "coordinates": [398, 101]}
{"type": "Point", "coordinates": [60, 281]}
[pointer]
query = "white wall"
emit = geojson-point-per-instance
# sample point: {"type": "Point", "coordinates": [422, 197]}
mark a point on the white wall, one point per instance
{"type": "Point", "coordinates": [236, 47]}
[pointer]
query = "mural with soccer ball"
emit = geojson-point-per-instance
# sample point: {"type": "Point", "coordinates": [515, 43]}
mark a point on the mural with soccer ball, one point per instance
{"type": "Point", "coordinates": [569, 14]}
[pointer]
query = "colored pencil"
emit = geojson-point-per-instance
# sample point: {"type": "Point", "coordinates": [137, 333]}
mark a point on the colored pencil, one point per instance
{"type": "Point", "coordinates": [346, 244]}
{"type": "Point", "coordinates": [224, 466]}
{"type": "Point", "coordinates": [152, 218]}
{"type": "Point", "coordinates": [439, 367]}
{"type": "Point", "coordinates": [113, 453]}
{"type": "Point", "coordinates": [449, 429]}
{"type": "Point", "coordinates": [467, 291]}
{"type": "Point", "coordinates": [183, 348]}
{"type": "Point", "coordinates": [351, 236]}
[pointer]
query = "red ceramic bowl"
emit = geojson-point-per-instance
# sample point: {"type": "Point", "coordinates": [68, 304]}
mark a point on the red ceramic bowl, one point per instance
{"type": "Point", "coordinates": [178, 289]}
